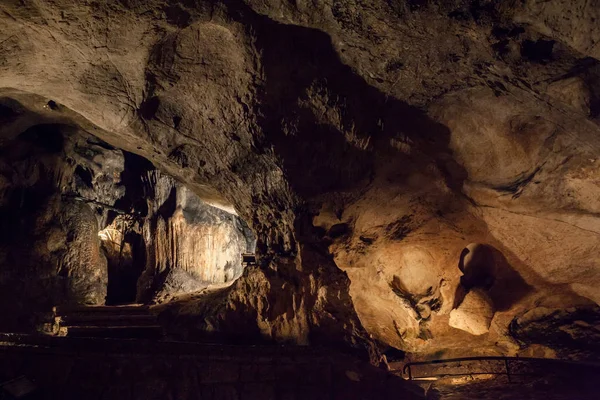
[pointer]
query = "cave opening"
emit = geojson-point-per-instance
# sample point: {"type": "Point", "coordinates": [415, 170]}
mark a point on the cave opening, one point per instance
{"type": "Point", "coordinates": [126, 260]}
{"type": "Point", "coordinates": [160, 240]}
{"type": "Point", "coordinates": [94, 225]}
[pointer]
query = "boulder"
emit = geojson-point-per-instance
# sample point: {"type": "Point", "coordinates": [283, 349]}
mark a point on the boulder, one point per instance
{"type": "Point", "coordinates": [474, 314]}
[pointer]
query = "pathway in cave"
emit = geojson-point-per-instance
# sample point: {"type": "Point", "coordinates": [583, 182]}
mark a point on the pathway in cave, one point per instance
{"type": "Point", "coordinates": [133, 321]}
{"type": "Point", "coordinates": [115, 369]}
{"type": "Point", "coordinates": [566, 387]}
{"type": "Point", "coordinates": [503, 378]}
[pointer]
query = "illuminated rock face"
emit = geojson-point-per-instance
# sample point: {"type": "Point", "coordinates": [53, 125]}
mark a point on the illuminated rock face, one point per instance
{"type": "Point", "coordinates": [366, 145]}
{"type": "Point", "coordinates": [189, 244]}
{"type": "Point", "coordinates": [172, 242]}
{"type": "Point", "coordinates": [474, 314]}
{"type": "Point", "coordinates": [79, 227]}
{"type": "Point", "coordinates": [213, 253]}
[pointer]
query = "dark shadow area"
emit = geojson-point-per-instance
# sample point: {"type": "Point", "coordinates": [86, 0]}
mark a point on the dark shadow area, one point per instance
{"type": "Point", "coordinates": [591, 77]}
{"type": "Point", "coordinates": [84, 175]}
{"type": "Point", "coordinates": [10, 110]}
{"type": "Point", "coordinates": [572, 332]}
{"type": "Point", "coordinates": [325, 120]}
{"type": "Point", "coordinates": [488, 268]}
{"type": "Point", "coordinates": [134, 178]}
{"type": "Point", "coordinates": [124, 269]}
{"type": "Point", "coordinates": [47, 137]}
{"type": "Point", "coordinates": [509, 287]}
{"type": "Point", "coordinates": [149, 108]}
{"type": "Point", "coordinates": [392, 354]}
{"type": "Point", "coordinates": [543, 379]}
{"type": "Point", "coordinates": [170, 370]}
{"type": "Point", "coordinates": [26, 212]}
{"type": "Point", "coordinates": [539, 51]}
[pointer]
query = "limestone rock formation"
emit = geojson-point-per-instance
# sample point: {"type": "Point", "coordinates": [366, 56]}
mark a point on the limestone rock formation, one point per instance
{"type": "Point", "coordinates": [49, 250]}
{"type": "Point", "coordinates": [474, 314]}
{"type": "Point", "coordinates": [365, 143]}
{"type": "Point", "coordinates": [96, 224]}
{"type": "Point", "coordinates": [189, 244]}
{"type": "Point", "coordinates": [572, 332]}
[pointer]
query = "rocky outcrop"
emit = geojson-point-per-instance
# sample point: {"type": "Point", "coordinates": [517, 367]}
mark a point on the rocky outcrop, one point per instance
{"type": "Point", "coordinates": [49, 249]}
{"type": "Point", "coordinates": [474, 314]}
{"type": "Point", "coordinates": [572, 332]}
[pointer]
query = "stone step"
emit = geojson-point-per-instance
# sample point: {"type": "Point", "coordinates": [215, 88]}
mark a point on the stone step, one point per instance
{"type": "Point", "coordinates": [131, 321]}
{"type": "Point", "coordinates": [149, 346]}
{"type": "Point", "coordinates": [107, 320]}
{"type": "Point", "coordinates": [129, 332]}
{"type": "Point", "coordinates": [119, 310]}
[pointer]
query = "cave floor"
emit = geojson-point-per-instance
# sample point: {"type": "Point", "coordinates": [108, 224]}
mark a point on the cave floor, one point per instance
{"type": "Point", "coordinates": [100, 368]}
{"type": "Point", "coordinates": [544, 388]}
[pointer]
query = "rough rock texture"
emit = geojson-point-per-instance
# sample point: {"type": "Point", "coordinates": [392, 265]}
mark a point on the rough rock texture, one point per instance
{"type": "Point", "coordinates": [474, 314]}
{"type": "Point", "coordinates": [189, 244]}
{"type": "Point", "coordinates": [49, 248]}
{"type": "Point", "coordinates": [574, 331]}
{"type": "Point", "coordinates": [80, 225]}
{"type": "Point", "coordinates": [376, 138]}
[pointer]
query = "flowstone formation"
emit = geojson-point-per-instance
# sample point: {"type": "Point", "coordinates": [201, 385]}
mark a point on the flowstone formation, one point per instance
{"type": "Point", "coordinates": [106, 227]}
{"type": "Point", "coordinates": [366, 144]}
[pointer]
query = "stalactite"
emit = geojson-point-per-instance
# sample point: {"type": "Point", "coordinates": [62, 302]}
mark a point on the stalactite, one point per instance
{"type": "Point", "coordinates": [189, 239]}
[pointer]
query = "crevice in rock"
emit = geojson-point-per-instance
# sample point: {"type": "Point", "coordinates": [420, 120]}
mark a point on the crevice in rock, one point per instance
{"type": "Point", "coordinates": [516, 188]}
{"type": "Point", "coordinates": [539, 51]}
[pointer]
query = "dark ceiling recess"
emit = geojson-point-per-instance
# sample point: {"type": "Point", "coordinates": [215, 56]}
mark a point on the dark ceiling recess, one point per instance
{"type": "Point", "coordinates": [539, 51]}
{"type": "Point", "coordinates": [149, 108]}
{"type": "Point", "coordinates": [47, 136]}
{"type": "Point", "coordinates": [9, 110]}
{"type": "Point", "coordinates": [84, 175]}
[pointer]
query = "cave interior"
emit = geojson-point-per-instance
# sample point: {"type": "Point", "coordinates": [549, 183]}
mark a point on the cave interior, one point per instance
{"type": "Point", "coordinates": [212, 199]}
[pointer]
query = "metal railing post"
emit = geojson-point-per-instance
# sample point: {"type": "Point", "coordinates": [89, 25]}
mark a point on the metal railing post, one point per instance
{"type": "Point", "coordinates": [507, 369]}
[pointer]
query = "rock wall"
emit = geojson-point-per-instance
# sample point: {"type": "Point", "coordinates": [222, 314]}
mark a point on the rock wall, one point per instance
{"type": "Point", "coordinates": [49, 249]}
{"type": "Point", "coordinates": [189, 244]}
{"type": "Point", "coordinates": [80, 225]}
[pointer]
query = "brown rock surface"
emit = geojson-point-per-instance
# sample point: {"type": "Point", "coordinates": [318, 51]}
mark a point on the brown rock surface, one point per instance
{"type": "Point", "coordinates": [474, 314]}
